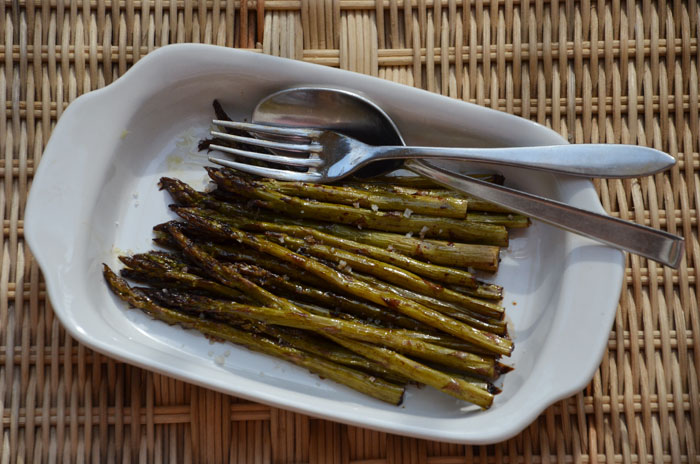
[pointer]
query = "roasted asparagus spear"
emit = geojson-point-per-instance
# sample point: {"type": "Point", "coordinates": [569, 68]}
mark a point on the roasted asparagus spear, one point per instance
{"type": "Point", "coordinates": [360, 381]}
{"type": "Point", "coordinates": [496, 344]}
{"type": "Point", "coordinates": [453, 229]}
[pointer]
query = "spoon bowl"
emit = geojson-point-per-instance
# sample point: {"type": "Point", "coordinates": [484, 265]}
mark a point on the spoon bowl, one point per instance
{"type": "Point", "coordinates": [346, 112]}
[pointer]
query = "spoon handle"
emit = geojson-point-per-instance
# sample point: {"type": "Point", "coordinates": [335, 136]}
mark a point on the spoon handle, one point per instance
{"type": "Point", "coordinates": [588, 160]}
{"type": "Point", "coordinates": [651, 243]}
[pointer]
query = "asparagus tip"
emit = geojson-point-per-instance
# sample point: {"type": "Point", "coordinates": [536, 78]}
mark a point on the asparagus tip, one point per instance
{"type": "Point", "coordinates": [219, 110]}
{"type": "Point", "coordinates": [503, 368]}
{"type": "Point", "coordinates": [163, 227]}
{"type": "Point", "coordinates": [204, 145]}
{"type": "Point", "coordinates": [166, 182]}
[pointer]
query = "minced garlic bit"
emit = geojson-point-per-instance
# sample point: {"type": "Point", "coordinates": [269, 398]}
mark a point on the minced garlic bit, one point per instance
{"type": "Point", "coordinates": [407, 213]}
{"type": "Point", "coordinates": [348, 269]}
{"type": "Point", "coordinates": [390, 248]}
{"type": "Point", "coordinates": [356, 204]}
{"type": "Point", "coordinates": [342, 264]}
{"type": "Point", "coordinates": [423, 231]}
{"type": "Point", "coordinates": [409, 234]}
{"type": "Point", "coordinates": [375, 208]}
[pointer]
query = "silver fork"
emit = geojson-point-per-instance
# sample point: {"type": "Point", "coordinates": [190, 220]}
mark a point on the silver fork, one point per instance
{"type": "Point", "coordinates": [329, 156]}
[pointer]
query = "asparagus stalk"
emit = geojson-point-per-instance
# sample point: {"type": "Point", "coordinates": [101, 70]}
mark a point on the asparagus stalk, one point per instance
{"type": "Point", "coordinates": [366, 312]}
{"type": "Point", "coordinates": [447, 275]}
{"type": "Point", "coordinates": [418, 331]}
{"type": "Point", "coordinates": [309, 235]}
{"type": "Point", "coordinates": [512, 220]}
{"type": "Point", "coordinates": [392, 274]}
{"type": "Point", "coordinates": [483, 290]}
{"type": "Point", "coordinates": [182, 193]}
{"type": "Point", "coordinates": [475, 204]}
{"type": "Point", "coordinates": [382, 270]}
{"type": "Point", "coordinates": [395, 362]}
{"type": "Point", "coordinates": [358, 308]}
{"type": "Point", "coordinates": [437, 338]}
{"type": "Point", "coordinates": [375, 316]}
{"type": "Point", "coordinates": [338, 354]}
{"type": "Point", "coordinates": [428, 205]}
{"type": "Point", "coordinates": [450, 254]}
{"type": "Point", "coordinates": [265, 278]}
{"type": "Point", "coordinates": [298, 339]}
{"type": "Point", "coordinates": [476, 381]}
{"type": "Point", "coordinates": [347, 284]}
{"type": "Point", "coordinates": [370, 385]}
{"type": "Point", "coordinates": [240, 254]}
{"type": "Point", "coordinates": [489, 324]}
{"type": "Point", "coordinates": [452, 229]}
{"type": "Point", "coordinates": [248, 256]}
{"type": "Point", "coordinates": [155, 260]}
{"type": "Point", "coordinates": [228, 276]}
{"type": "Point", "coordinates": [399, 340]}
{"type": "Point", "coordinates": [494, 326]}
{"type": "Point", "coordinates": [270, 280]}
{"type": "Point", "coordinates": [176, 279]}
{"type": "Point", "coordinates": [444, 274]}
{"type": "Point", "coordinates": [483, 257]}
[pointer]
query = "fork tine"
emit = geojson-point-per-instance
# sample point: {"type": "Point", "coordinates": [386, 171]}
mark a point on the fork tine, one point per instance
{"type": "Point", "coordinates": [266, 129]}
{"type": "Point", "coordinates": [314, 148]}
{"type": "Point", "coordinates": [279, 174]}
{"type": "Point", "coordinates": [306, 162]}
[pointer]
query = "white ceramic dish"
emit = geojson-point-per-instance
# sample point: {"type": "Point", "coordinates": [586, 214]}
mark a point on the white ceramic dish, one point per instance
{"type": "Point", "coordinates": [95, 196]}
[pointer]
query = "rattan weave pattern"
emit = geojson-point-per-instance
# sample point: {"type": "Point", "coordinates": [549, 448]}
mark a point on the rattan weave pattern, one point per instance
{"type": "Point", "coordinates": [595, 71]}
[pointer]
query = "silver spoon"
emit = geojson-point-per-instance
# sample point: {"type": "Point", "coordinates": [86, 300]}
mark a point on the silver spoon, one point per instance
{"type": "Point", "coordinates": [356, 116]}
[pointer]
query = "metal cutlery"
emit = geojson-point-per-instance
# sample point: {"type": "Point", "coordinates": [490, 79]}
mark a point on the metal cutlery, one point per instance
{"type": "Point", "coordinates": [327, 156]}
{"type": "Point", "coordinates": [320, 108]}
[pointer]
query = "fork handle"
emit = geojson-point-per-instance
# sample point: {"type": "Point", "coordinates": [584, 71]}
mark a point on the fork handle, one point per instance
{"type": "Point", "coordinates": [588, 160]}
{"type": "Point", "coordinates": [651, 243]}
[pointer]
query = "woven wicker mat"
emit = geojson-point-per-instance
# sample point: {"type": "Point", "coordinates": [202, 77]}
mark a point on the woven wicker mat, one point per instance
{"type": "Point", "coordinates": [593, 71]}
